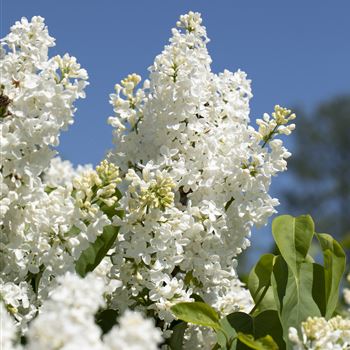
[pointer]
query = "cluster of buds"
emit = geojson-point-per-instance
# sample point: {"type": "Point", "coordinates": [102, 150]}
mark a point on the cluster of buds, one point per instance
{"type": "Point", "coordinates": [129, 84]}
{"type": "Point", "coordinates": [278, 124]}
{"type": "Point", "coordinates": [96, 187]}
{"type": "Point", "coordinates": [159, 193]}
{"type": "Point", "coordinates": [190, 21]}
{"type": "Point", "coordinates": [109, 178]}
{"type": "Point", "coordinates": [127, 88]}
{"type": "Point", "coordinates": [314, 326]}
{"type": "Point", "coordinates": [177, 61]}
{"type": "Point", "coordinates": [129, 106]}
{"type": "Point", "coordinates": [318, 333]}
{"type": "Point", "coordinates": [155, 191]}
{"type": "Point", "coordinates": [69, 68]}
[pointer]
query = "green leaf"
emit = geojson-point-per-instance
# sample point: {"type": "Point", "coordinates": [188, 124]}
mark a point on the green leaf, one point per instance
{"type": "Point", "coordinates": [318, 288]}
{"type": "Point", "coordinates": [221, 341]}
{"type": "Point", "coordinates": [49, 189]}
{"type": "Point", "coordinates": [112, 210]}
{"type": "Point", "coordinates": [118, 193]}
{"type": "Point", "coordinates": [334, 265]}
{"type": "Point", "coordinates": [241, 322]}
{"type": "Point", "coordinates": [106, 319]}
{"type": "Point", "coordinates": [259, 283]}
{"type": "Point", "coordinates": [197, 313]}
{"type": "Point", "coordinates": [233, 323]}
{"type": "Point", "coordinates": [93, 255]}
{"type": "Point", "coordinates": [34, 279]}
{"type": "Point", "coordinates": [293, 237]}
{"type": "Point", "coordinates": [73, 231]}
{"type": "Point", "coordinates": [226, 337]}
{"type": "Point", "coordinates": [176, 340]}
{"type": "Point", "coordinates": [265, 323]}
{"type": "Point", "coordinates": [265, 343]}
{"type": "Point", "coordinates": [294, 296]}
{"type": "Point", "coordinates": [279, 280]}
{"type": "Point", "coordinates": [292, 277]}
{"type": "Point", "coordinates": [268, 323]}
{"type": "Point", "coordinates": [197, 297]}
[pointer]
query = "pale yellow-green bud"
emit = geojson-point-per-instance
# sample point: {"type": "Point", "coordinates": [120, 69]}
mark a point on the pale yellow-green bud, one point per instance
{"type": "Point", "coordinates": [129, 83]}
{"type": "Point", "coordinates": [190, 22]}
{"type": "Point", "coordinates": [11, 309]}
{"type": "Point", "coordinates": [159, 193]}
{"type": "Point", "coordinates": [313, 325]}
{"type": "Point", "coordinates": [97, 185]}
{"type": "Point", "coordinates": [108, 173]}
{"type": "Point", "coordinates": [133, 79]}
{"type": "Point", "coordinates": [278, 124]}
{"type": "Point", "coordinates": [282, 115]}
{"type": "Point", "coordinates": [339, 323]}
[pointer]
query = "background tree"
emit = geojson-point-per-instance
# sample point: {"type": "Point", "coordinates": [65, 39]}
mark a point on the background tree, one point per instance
{"type": "Point", "coordinates": [320, 166]}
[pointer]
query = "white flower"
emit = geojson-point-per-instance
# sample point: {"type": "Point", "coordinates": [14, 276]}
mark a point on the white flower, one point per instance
{"type": "Point", "coordinates": [8, 330]}
{"type": "Point", "coordinates": [66, 320]}
{"type": "Point", "coordinates": [190, 129]}
{"type": "Point", "coordinates": [61, 172]}
{"type": "Point", "coordinates": [197, 337]}
{"type": "Point", "coordinates": [318, 333]}
{"type": "Point", "coordinates": [194, 176]}
{"type": "Point", "coordinates": [133, 333]}
{"type": "Point", "coordinates": [38, 234]}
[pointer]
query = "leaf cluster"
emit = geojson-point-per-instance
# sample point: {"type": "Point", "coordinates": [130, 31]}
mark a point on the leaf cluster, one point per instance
{"type": "Point", "coordinates": [287, 289]}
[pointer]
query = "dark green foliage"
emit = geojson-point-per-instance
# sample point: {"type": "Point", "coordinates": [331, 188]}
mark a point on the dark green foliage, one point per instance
{"type": "Point", "coordinates": [93, 255]}
{"type": "Point", "coordinates": [321, 166]}
{"type": "Point", "coordinates": [287, 289]}
{"type": "Point", "coordinates": [176, 340]}
{"type": "Point", "coordinates": [106, 319]}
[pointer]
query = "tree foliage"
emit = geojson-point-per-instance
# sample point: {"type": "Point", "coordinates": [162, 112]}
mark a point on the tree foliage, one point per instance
{"type": "Point", "coordinates": [321, 163]}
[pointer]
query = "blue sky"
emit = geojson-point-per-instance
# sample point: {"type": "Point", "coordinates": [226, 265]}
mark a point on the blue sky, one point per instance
{"type": "Point", "coordinates": [297, 53]}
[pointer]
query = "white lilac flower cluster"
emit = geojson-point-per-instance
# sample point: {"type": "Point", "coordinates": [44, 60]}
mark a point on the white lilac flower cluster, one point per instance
{"type": "Point", "coordinates": [193, 178]}
{"type": "Point", "coordinates": [134, 332]}
{"type": "Point", "coordinates": [61, 172]}
{"type": "Point", "coordinates": [317, 333]}
{"type": "Point", "coordinates": [67, 321]}
{"type": "Point", "coordinates": [198, 177]}
{"type": "Point", "coordinates": [8, 330]}
{"type": "Point", "coordinates": [46, 220]}
{"type": "Point", "coordinates": [37, 96]}
{"type": "Point", "coordinates": [60, 225]}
